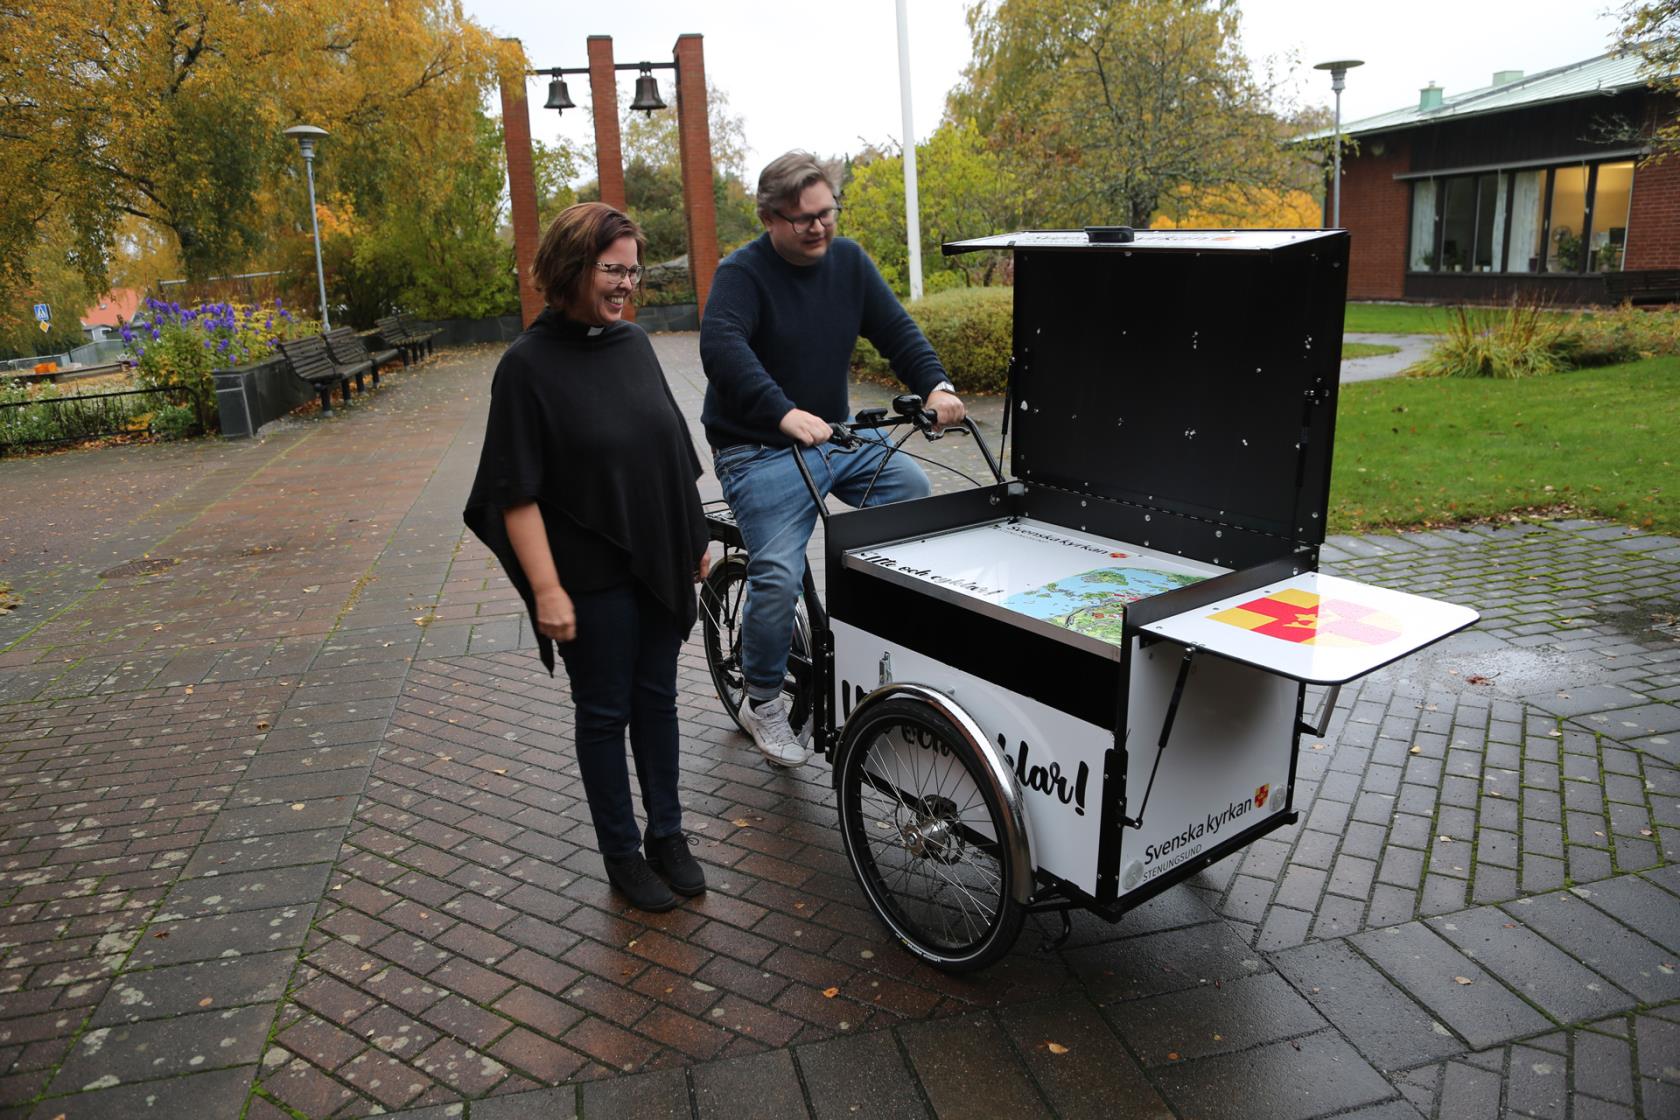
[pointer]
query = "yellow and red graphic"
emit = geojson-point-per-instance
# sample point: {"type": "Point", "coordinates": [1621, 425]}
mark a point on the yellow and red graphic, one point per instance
{"type": "Point", "coordinates": [1260, 796]}
{"type": "Point", "coordinates": [1301, 616]}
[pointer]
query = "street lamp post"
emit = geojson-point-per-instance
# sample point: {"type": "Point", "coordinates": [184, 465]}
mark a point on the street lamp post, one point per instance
{"type": "Point", "coordinates": [306, 135]}
{"type": "Point", "coordinates": [1338, 72]}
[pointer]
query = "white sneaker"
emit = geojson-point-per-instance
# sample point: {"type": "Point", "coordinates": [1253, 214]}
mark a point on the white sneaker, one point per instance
{"type": "Point", "coordinates": [768, 726]}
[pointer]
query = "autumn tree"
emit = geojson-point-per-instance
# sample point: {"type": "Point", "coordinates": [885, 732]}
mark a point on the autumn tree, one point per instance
{"type": "Point", "coordinates": [966, 189]}
{"type": "Point", "coordinates": [171, 113]}
{"type": "Point", "coordinates": [1110, 106]}
{"type": "Point", "coordinates": [1651, 29]}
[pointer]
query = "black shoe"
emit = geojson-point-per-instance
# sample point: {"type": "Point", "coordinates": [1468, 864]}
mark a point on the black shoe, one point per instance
{"type": "Point", "coordinates": [668, 855]}
{"type": "Point", "coordinates": [636, 881]}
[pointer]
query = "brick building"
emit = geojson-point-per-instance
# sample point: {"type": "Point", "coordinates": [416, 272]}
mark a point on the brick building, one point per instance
{"type": "Point", "coordinates": [1531, 185]}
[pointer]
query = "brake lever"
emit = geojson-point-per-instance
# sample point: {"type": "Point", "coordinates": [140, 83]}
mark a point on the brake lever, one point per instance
{"type": "Point", "coordinates": [843, 437]}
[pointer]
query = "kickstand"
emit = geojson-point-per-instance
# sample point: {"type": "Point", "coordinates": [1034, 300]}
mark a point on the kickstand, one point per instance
{"type": "Point", "coordinates": [1051, 945]}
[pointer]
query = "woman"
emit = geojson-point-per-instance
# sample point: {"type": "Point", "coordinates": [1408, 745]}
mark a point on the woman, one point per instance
{"type": "Point", "coordinates": [586, 493]}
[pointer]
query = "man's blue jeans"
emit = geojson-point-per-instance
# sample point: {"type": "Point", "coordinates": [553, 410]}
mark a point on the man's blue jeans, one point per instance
{"type": "Point", "coordinates": [776, 516]}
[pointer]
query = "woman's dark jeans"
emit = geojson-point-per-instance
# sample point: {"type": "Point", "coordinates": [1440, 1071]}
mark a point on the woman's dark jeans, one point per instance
{"type": "Point", "coordinates": [623, 669]}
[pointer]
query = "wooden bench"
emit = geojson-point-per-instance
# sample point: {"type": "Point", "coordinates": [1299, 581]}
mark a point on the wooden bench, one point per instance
{"type": "Point", "coordinates": [349, 349]}
{"type": "Point", "coordinates": [392, 333]}
{"type": "Point", "coordinates": [422, 335]}
{"type": "Point", "coordinates": [311, 360]}
{"type": "Point", "coordinates": [1645, 285]}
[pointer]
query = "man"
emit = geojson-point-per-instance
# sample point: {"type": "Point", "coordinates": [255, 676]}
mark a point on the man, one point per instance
{"type": "Point", "coordinates": [783, 317]}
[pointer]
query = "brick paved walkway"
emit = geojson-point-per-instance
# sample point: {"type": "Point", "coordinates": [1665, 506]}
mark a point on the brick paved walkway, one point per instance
{"type": "Point", "coordinates": [292, 829]}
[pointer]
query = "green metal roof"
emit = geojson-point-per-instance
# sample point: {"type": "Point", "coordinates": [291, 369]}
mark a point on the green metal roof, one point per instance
{"type": "Point", "coordinates": [1601, 76]}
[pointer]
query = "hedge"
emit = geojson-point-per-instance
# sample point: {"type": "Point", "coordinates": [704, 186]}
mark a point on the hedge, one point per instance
{"type": "Point", "coordinates": [971, 331]}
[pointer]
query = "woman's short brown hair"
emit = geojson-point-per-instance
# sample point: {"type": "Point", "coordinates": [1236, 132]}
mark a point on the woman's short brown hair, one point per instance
{"type": "Point", "coordinates": [785, 178]}
{"type": "Point", "coordinates": [566, 257]}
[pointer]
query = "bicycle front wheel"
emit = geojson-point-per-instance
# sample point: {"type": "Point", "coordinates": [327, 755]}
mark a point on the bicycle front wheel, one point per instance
{"type": "Point", "coordinates": [922, 829]}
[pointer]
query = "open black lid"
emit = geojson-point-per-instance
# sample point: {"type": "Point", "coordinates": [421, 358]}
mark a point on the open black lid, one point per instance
{"type": "Point", "coordinates": [1185, 370]}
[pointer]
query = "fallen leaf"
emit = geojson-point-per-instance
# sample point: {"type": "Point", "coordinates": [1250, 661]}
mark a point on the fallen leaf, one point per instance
{"type": "Point", "coordinates": [1645, 832]}
{"type": "Point", "coordinates": [740, 822]}
{"type": "Point", "coordinates": [297, 807]}
{"type": "Point", "coordinates": [1172, 1055]}
{"type": "Point", "coordinates": [1318, 746]}
{"type": "Point", "coordinates": [262, 725]}
{"type": "Point", "coordinates": [1462, 980]}
{"type": "Point", "coordinates": [830, 993]}
{"type": "Point", "coordinates": [1219, 1038]}
{"type": "Point", "coordinates": [189, 690]}
{"type": "Point", "coordinates": [1416, 750]}
{"type": "Point", "coordinates": [499, 770]}
{"type": "Point", "coordinates": [206, 1001]}
{"type": "Point", "coordinates": [1446, 839]}
{"type": "Point", "coordinates": [1055, 1047]}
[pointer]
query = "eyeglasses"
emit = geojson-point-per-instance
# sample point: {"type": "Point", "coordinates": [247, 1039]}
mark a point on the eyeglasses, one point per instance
{"type": "Point", "coordinates": [631, 272]}
{"type": "Point", "coordinates": [805, 223]}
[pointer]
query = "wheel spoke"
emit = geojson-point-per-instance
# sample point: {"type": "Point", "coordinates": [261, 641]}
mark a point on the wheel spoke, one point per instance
{"type": "Point", "coordinates": [929, 864]}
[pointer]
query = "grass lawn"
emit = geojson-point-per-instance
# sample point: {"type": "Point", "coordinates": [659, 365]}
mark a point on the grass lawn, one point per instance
{"type": "Point", "coordinates": [1410, 318]}
{"type": "Point", "coordinates": [1366, 350]}
{"type": "Point", "coordinates": [1395, 318]}
{"type": "Point", "coordinates": [1602, 442]}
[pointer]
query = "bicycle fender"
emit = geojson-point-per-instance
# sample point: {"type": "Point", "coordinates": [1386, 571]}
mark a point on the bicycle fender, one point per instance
{"type": "Point", "coordinates": [1018, 841]}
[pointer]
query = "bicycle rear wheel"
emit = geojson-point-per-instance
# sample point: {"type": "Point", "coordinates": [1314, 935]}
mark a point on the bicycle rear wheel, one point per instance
{"type": "Point", "coordinates": [721, 598]}
{"type": "Point", "coordinates": [922, 827]}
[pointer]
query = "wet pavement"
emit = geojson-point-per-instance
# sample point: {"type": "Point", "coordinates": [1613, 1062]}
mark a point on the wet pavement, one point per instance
{"type": "Point", "coordinates": [293, 829]}
{"type": "Point", "coordinates": [1409, 349]}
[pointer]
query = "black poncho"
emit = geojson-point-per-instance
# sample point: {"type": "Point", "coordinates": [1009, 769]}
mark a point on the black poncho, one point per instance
{"type": "Point", "coordinates": [583, 423]}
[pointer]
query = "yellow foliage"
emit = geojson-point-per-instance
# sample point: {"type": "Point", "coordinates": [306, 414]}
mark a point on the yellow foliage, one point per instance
{"type": "Point", "coordinates": [1228, 208]}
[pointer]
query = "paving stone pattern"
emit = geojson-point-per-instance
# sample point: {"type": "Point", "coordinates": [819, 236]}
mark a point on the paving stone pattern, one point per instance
{"type": "Point", "coordinates": [293, 829]}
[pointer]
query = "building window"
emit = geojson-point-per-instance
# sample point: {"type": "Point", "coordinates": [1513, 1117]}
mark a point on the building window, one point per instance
{"type": "Point", "coordinates": [1527, 193]}
{"type": "Point", "coordinates": [1612, 195]}
{"type": "Point", "coordinates": [1423, 225]}
{"type": "Point", "coordinates": [1567, 220]}
{"type": "Point", "coordinates": [1558, 220]}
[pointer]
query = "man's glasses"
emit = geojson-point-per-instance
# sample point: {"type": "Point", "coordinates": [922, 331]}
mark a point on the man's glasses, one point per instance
{"type": "Point", "coordinates": [805, 223]}
{"type": "Point", "coordinates": [630, 272]}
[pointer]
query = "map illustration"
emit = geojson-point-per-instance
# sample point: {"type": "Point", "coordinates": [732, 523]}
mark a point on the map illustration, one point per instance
{"type": "Point", "coordinates": [1094, 603]}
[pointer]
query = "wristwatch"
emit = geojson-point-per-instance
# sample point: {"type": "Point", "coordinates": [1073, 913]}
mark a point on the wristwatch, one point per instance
{"type": "Point", "coordinates": [943, 387]}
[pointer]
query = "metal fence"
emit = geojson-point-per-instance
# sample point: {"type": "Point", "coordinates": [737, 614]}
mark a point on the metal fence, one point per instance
{"type": "Point", "coordinates": [50, 420]}
{"type": "Point", "coordinates": [87, 354]}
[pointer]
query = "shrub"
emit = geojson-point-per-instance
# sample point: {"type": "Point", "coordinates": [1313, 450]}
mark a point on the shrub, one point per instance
{"type": "Point", "coordinates": [972, 331]}
{"type": "Point", "coordinates": [1525, 340]}
{"type": "Point", "coordinates": [179, 346]}
{"type": "Point", "coordinates": [1520, 340]}
{"type": "Point", "coordinates": [174, 421]}
{"type": "Point", "coordinates": [1602, 338]}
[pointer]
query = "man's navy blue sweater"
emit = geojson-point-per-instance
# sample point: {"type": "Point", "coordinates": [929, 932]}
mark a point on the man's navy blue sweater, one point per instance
{"type": "Point", "coordinates": [778, 336]}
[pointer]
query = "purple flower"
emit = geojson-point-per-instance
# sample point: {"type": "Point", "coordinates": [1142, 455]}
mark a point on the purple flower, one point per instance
{"type": "Point", "coordinates": [223, 346]}
{"type": "Point", "coordinates": [127, 335]}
